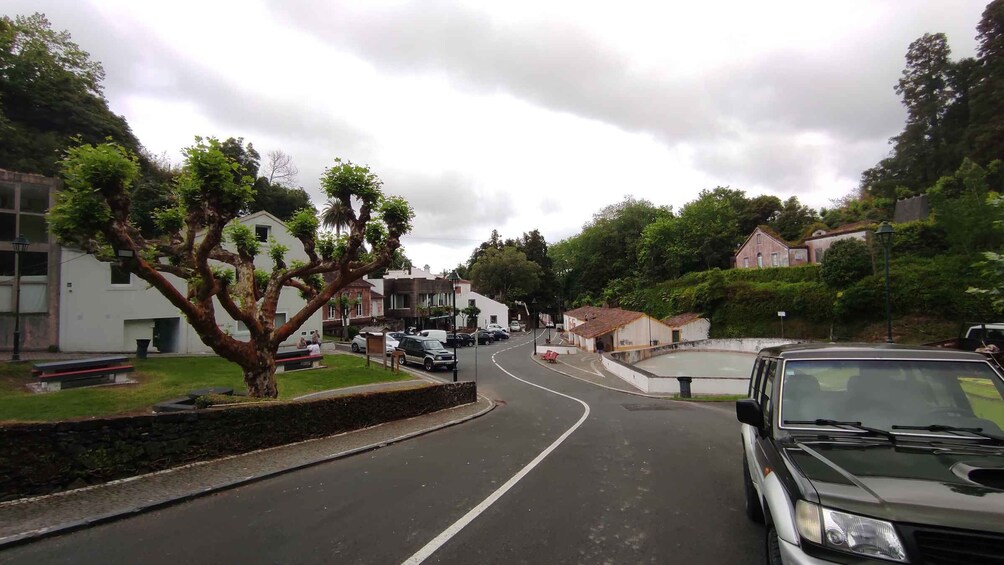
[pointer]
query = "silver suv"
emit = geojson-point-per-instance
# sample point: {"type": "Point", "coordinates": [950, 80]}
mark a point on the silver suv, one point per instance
{"type": "Point", "coordinates": [425, 351]}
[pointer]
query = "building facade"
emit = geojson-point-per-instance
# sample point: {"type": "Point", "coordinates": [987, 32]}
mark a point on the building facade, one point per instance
{"type": "Point", "coordinates": [689, 326]}
{"type": "Point", "coordinates": [365, 305]}
{"type": "Point", "coordinates": [614, 329]}
{"type": "Point", "coordinates": [765, 248]}
{"type": "Point", "coordinates": [820, 241]}
{"type": "Point", "coordinates": [491, 311]}
{"type": "Point", "coordinates": [103, 309]}
{"type": "Point", "coordinates": [416, 297]}
{"type": "Point", "coordinates": [24, 201]}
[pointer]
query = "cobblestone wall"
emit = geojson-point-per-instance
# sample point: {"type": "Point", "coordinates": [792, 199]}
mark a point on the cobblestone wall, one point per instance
{"type": "Point", "coordinates": [43, 458]}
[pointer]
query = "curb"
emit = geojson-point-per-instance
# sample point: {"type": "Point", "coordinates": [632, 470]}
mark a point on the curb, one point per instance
{"type": "Point", "coordinates": [35, 535]}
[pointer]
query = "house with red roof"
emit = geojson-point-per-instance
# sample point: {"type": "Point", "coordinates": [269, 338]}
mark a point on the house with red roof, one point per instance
{"type": "Point", "coordinates": [614, 329]}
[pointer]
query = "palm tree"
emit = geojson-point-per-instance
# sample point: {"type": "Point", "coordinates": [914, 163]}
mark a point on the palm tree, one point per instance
{"type": "Point", "coordinates": [335, 215]}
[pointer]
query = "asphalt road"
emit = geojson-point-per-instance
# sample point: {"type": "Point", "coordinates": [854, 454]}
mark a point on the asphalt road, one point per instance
{"type": "Point", "coordinates": [615, 478]}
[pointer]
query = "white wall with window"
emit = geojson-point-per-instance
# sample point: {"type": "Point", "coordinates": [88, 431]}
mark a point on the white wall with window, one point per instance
{"type": "Point", "coordinates": [492, 312]}
{"type": "Point", "coordinates": [101, 309]}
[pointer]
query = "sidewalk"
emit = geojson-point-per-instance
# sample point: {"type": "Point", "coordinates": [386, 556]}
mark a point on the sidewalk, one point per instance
{"type": "Point", "coordinates": [588, 367]}
{"type": "Point", "coordinates": [28, 519]}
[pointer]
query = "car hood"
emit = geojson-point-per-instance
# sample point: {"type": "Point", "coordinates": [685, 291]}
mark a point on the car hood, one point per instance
{"type": "Point", "coordinates": [946, 484]}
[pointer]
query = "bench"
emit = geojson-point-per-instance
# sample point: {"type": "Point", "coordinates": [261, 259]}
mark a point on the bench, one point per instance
{"type": "Point", "coordinates": [82, 372]}
{"type": "Point", "coordinates": [550, 356]}
{"type": "Point", "coordinates": [296, 359]}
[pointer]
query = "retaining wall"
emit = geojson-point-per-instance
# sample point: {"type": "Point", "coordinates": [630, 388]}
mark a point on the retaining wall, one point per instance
{"type": "Point", "coordinates": [48, 457]}
{"type": "Point", "coordinates": [622, 364]}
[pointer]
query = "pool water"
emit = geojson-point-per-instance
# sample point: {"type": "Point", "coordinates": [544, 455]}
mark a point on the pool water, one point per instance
{"type": "Point", "coordinates": [700, 364]}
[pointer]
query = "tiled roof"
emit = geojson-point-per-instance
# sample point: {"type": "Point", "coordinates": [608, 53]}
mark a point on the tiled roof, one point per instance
{"type": "Point", "coordinates": [681, 319]}
{"type": "Point", "coordinates": [846, 228]}
{"type": "Point", "coordinates": [605, 321]}
{"type": "Point", "coordinates": [584, 312]}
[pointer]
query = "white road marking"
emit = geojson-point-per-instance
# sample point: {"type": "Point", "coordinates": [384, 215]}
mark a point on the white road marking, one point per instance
{"type": "Point", "coordinates": [455, 528]}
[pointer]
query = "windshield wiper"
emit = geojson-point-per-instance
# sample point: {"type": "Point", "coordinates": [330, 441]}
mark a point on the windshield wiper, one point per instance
{"type": "Point", "coordinates": [978, 432]}
{"type": "Point", "coordinates": [855, 425]}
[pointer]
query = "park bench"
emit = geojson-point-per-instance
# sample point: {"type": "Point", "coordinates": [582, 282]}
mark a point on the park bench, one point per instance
{"type": "Point", "coordinates": [58, 375]}
{"type": "Point", "coordinates": [296, 359]}
{"type": "Point", "coordinates": [550, 356]}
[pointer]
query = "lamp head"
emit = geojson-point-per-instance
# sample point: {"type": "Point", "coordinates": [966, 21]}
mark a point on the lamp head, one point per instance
{"type": "Point", "coordinates": [20, 243]}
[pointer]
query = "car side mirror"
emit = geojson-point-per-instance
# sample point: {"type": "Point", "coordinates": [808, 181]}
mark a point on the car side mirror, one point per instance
{"type": "Point", "coordinates": [748, 411]}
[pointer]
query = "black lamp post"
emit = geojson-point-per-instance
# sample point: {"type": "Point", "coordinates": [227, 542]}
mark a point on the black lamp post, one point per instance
{"type": "Point", "coordinates": [533, 313]}
{"type": "Point", "coordinates": [884, 235]}
{"type": "Point", "coordinates": [454, 277]}
{"type": "Point", "coordinates": [19, 244]}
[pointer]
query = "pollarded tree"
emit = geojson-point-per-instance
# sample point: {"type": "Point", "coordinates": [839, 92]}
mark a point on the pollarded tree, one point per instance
{"type": "Point", "coordinates": [213, 255]}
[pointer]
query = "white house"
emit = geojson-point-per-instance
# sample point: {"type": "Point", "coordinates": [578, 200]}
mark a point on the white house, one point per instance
{"type": "Point", "coordinates": [614, 328]}
{"type": "Point", "coordinates": [820, 241]}
{"type": "Point", "coordinates": [689, 326]}
{"type": "Point", "coordinates": [492, 311]}
{"type": "Point", "coordinates": [104, 309]}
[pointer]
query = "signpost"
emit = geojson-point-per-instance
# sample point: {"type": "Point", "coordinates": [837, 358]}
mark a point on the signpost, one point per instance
{"type": "Point", "coordinates": [781, 314]}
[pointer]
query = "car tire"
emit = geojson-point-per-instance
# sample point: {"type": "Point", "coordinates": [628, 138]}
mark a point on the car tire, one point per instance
{"type": "Point", "coordinates": [773, 546]}
{"type": "Point", "coordinates": [428, 365]}
{"type": "Point", "coordinates": [753, 509]}
{"type": "Point", "coordinates": [355, 348]}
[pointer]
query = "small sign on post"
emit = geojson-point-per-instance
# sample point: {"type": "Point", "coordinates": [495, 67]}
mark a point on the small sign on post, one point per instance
{"type": "Point", "coordinates": [781, 314]}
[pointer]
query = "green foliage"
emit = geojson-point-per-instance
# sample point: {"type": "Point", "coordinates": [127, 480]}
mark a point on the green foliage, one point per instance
{"type": "Point", "coordinates": [304, 223]}
{"type": "Point", "coordinates": [280, 201]}
{"type": "Point", "coordinates": [985, 133]}
{"type": "Point", "coordinates": [327, 246]}
{"type": "Point", "coordinates": [170, 220]}
{"type": "Point", "coordinates": [506, 274]}
{"type": "Point", "coordinates": [277, 251]}
{"type": "Point", "coordinates": [961, 208]}
{"type": "Point", "coordinates": [92, 175]}
{"type": "Point", "coordinates": [375, 234]}
{"type": "Point", "coordinates": [211, 181]}
{"type": "Point", "coordinates": [345, 181]}
{"type": "Point", "coordinates": [224, 275]}
{"type": "Point", "coordinates": [847, 262]}
{"type": "Point", "coordinates": [50, 91]}
{"type": "Point", "coordinates": [243, 238]}
{"type": "Point", "coordinates": [792, 219]}
{"type": "Point", "coordinates": [396, 214]}
{"type": "Point", "coordinates": [922, 238]}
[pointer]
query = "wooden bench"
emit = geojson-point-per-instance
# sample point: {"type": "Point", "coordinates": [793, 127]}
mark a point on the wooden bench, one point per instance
{"type": "Point", "coordinates": [296, 359]}
{"type": "Point", "coordinates": [550, 356]}
{"type": "Point", "coordinates": [82, 372]}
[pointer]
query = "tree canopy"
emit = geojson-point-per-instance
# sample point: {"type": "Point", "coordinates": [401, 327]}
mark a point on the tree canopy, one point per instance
{"type": "Point", "coordinates": [201, 244]}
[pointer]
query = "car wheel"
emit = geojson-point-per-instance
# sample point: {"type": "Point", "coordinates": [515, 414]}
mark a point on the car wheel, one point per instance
{"type": "Point", "coordinates": [753, 509]}
{"type": "Point", "coordinates": [428, 365]}
{"type": "Point", "coordinates": [773, 546]}
{"type": "Point", "coordinates": [355, 348]}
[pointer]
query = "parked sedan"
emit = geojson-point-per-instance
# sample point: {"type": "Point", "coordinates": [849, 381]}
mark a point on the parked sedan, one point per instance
{"type": "Point", "coordinates": [359, 343]}
{"type": "Point", "coordinates": [486, 337]}
{"type": "Point", "coordinates": [462, 339]}
{"type": "Point", "coordinates": [500, 335]}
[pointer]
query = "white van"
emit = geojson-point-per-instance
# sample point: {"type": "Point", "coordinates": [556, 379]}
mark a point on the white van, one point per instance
{"type": "Point", "coordinates": [435, 334]}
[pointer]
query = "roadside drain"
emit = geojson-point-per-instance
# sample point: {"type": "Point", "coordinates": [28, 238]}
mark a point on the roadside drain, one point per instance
{"type": "Point", "coordinates": [643, 407]}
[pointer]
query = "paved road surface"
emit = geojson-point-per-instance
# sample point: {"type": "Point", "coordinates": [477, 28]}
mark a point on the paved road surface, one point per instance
{"type": "Point", "coordinates": [639, 481]}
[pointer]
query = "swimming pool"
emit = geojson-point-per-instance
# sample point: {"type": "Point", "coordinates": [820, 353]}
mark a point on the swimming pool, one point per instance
{"type": "Point", "coordinates": [731, 364]}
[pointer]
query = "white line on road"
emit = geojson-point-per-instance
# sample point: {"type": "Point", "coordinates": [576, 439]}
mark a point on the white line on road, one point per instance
{"type": "Point", "coordinates": [440, 540]}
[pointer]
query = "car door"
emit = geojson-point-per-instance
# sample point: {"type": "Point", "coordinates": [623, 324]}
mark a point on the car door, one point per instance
{"type": "Point", "coordinates": [761, 381]}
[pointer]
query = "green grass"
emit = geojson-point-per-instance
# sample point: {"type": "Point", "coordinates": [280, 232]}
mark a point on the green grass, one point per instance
{"type": "Point", "coordinates": [168, 377]}
{"type": "Point", "coordinates": [985, 400]}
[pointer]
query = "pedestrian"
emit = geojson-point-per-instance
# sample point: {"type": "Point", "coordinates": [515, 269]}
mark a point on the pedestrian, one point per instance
{"type": "Point", "coordinates": [313, 349]}
{"type": "Point", "coordinates": [315, 337]}
{"type": "Point", "coordinates": [302, 343]}
{"type": "Point", "coordinates": [599, 347]}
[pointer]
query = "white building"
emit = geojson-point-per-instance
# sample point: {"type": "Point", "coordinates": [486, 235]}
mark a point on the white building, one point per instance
{"type": "Point", "coordinates": [689, 326]}
{"type": "Point", "coordinates": [492, 311]}
{"type": "Point", "coordinates": [104, 309]}
{"type": "Point", "coordinates": [614, 328]}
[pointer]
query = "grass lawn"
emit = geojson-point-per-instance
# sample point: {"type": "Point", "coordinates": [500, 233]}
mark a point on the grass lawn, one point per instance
{"type": "Point", "coordinates": [168, 377]}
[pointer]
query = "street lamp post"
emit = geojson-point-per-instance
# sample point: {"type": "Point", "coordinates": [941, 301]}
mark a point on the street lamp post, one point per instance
{"type": "Point", "coordinates": [884, 234]}
{"type": "Point", "coordinates": [19, 244]}
{"type": "Point", "coordinates": [533, 314]}
{"type": "Point", "coordinates": [454, 277]}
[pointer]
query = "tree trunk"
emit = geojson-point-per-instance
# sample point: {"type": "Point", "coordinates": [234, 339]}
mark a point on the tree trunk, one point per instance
{"type": "Point", "coordinates": [260, 376]}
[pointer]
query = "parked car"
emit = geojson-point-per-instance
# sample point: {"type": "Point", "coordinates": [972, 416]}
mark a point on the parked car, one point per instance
{"type": "Point", "coordinates": [500, 335]}
{"type": "Point", "coordinates": [435, 334]}
{"type": "Point", "coordinates": [857, 453]}
{"type": "Point", "coordinates": [485, 337]}
{"type": "Point", "coordinates": [425, 351]}
{"type": "Point", "coordinates": [358, 344]}
{"type": "Point", "coordinates": [495, 327]}
{"type": "Point", "coordinates": [549, 325]}
{"type": "Point", "coordinates": [514, 326]}
{"type": "Point", "coordinates": [462, 339]}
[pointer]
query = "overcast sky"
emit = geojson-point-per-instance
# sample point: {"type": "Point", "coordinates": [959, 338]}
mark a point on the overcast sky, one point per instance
{"type": "Point", "coordinates": [522, 114]}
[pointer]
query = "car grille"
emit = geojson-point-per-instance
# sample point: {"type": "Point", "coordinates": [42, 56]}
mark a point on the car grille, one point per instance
{"type": "Point", "coordinates": [954, 547]}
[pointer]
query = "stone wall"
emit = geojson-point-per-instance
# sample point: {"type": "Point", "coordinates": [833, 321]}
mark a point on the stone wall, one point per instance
{"type": "Point", "coordinates": [49, 457]}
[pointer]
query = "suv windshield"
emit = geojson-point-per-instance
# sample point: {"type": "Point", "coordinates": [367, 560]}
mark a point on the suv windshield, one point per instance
{"type": "Point", "coordinates": [432, 345]}
{"type": "Point", "coordinates": [884, 393]}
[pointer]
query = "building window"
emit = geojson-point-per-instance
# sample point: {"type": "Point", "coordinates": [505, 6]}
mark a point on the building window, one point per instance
{"type": "Point", "coordinates": [774, 261]}
{"type": "Point", "coordinates": [262, 233]}
{"type": "Point", "coordinates": [279, 320]}
{"type": "Point", "coordinates": [119, 276]}
{"type": "Point", "coordinates": [359, 304]}
{"type": "Point", "coordinates": [758, 239]}
{"type": "Point", "coordinates": [471, 302]}
{"type": "Point", "coordinates": [759, 260]}
{"type": "Point", "coordinates": [332, 311]}
{"type": "Point", "coordinates": [398, 301]}
{"type": "Point", "coordinates": [494, 319]}
{"type": "Point", "coordinates": [676, 336]}
{"type": "Point", "coordinates": [746, 262]}
{"type": "Point", "coordinates": [820, 253]}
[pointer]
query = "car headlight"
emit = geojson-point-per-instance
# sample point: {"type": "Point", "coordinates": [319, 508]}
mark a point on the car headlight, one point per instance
{"type": "Point", "coordinates": [848, 532]}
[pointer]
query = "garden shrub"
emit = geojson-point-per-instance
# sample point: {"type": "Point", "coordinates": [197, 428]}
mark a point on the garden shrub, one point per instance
{"type": "Point", "coordinates": [847, 261]}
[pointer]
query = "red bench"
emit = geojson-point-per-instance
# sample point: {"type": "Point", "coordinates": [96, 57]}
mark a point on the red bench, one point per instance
{"type": "Point", "coordinates": [550, 356]}
{"type": "Point", "coordinates": [82, 372]}
{"type": "Point", "coordinates": [283, 364]}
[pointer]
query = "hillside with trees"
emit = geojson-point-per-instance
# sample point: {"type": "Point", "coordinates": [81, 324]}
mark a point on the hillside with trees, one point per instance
{"type": "Point", "coordinates": [944, 269]}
